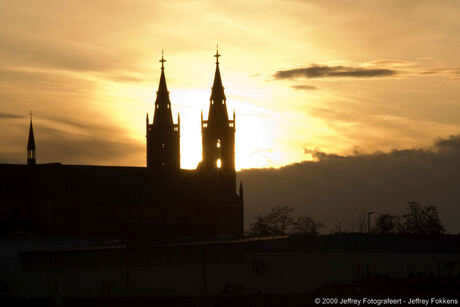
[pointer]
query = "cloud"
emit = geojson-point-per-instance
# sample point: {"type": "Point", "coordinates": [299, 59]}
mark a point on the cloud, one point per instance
{"type": "Point", "coordinates": [10, 116]}
{"type": "Point", "coordinates": [391, 62]}
{"type": "Point", "coordinates": [323, 71]}
{"type": "Point", "coordinates": [334, 188]}
{"type": "Point", "coordinates": [304, 87]}
{"type": "Point", "coordinates": [98, 147]}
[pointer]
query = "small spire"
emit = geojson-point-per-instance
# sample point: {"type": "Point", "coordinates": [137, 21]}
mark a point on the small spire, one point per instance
{"type": "Point", "coordinates": [31, 144]}
{"type": "Point", "coordinates": [178, 118]}
{"type": "Point", "coordinates": [31, 141]}
{"type": "Point", "coordinates": [241, 189]}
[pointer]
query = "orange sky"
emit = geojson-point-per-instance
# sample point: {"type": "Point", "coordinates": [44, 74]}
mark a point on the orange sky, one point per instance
{"type": "Point", "coordinates": [339, 76]}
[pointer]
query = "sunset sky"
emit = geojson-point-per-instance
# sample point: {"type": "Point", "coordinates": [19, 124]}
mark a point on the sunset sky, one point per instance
{"type": "Point", "coordinates": [340, 77]}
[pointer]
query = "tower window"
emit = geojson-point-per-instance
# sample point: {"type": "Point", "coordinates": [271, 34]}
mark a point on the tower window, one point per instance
{"type": "Point", "coordinates": [163, 145]}
{"type": "Point", "coordinates": [230, 125]}
{"type": "Point", "coordinates": [158, 106]}
{"type": "Point", "coordinates": [205, 125]}
{"type": "Point", "coordinates": [167, 106]}
{"type": "Point", "coordinates": [218, 143]}
{"type": "Point", "coordinates": [219, 163]}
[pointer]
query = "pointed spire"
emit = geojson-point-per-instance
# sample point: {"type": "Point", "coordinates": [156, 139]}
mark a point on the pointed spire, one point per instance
{"type": "Point", "coordinates": [217, 109]}
{"type": "Point", "coordinates": [31, 144]}
{"type": "Point", "coordinates": [162, 88]}
{"type": "Point", "coordinates": [217, 88]}
{"type": "Point", "coordinates": [31, 141]}
{"type": "Point", "coordinates": [163, 114]}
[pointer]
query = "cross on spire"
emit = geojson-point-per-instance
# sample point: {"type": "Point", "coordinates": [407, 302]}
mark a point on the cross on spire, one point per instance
{"type": "Point", "coordinates": [162, 60]}
{"type": "Point", "coordinates": [217, 55]}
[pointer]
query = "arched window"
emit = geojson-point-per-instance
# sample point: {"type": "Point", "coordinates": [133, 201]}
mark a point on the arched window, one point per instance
{"type": "Point", "coordinates": [219, 163]}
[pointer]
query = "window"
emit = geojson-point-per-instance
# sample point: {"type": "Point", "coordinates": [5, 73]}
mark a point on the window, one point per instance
{"type": "Point", "coordinates": [218, 143]}
{"type": "Point", "coordinates": [205, 125]}
{"type": "Point", "coordinates": [163, 145]}
{"type": "Point", "coordinates": [230, 124]}
{"type": "Point", "coordinates": [219, 163]}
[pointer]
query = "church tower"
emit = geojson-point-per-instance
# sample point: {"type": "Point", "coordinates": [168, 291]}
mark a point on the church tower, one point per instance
{"type": "Point", "coordinates": [218, 134]}
{"type": "Point", "coordinates": [31, 160]}
{"type": "Point", "coordinates": [163, 145]}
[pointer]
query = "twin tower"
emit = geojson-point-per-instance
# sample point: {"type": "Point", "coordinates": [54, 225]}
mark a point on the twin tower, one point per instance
{"type": "Point", "coordinates": [218, 132]}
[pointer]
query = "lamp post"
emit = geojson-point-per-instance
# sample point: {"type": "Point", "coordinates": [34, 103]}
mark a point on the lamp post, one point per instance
{"type": "Point", "coordinates": [369, 221]}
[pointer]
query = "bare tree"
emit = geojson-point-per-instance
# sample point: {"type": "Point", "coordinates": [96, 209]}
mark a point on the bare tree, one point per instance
{"type": "Point", "coordinates": [275, 223]}
{"type": "Point", "coordinates": [359, 224]}
{"type": "Point", "coordinates": [279, 221]}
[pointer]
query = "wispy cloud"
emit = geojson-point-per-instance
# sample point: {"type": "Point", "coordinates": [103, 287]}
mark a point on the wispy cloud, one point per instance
{"type": "Point", "coordinates": [304, 87]}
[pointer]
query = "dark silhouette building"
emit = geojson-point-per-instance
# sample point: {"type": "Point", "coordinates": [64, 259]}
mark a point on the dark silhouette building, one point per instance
{"type": "Point", "coordinates": [157, 202]}
{"type": "Point", "coordinates": [163, 145]}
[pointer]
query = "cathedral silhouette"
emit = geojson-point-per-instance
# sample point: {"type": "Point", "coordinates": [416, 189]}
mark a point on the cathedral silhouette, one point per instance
{"type": "Point", "coordinates": [157, 202]}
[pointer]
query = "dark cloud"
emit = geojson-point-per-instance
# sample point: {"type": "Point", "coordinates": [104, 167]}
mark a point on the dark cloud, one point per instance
{"type": "Point", "coordinates": [304, 87]}
{"type": "Point", "coordinates": [323, 71]}
{"type": "Point", "coordinates": [9, 116]}
{"type": "Point", "coordinates": [335, 188]}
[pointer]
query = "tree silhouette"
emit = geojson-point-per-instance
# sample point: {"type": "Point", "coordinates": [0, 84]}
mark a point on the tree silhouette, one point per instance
{"type": "Point", "coordinates": [279, 221]}
{"type": "Point", "coordinates": [417, 220]}
{"type": "Point", "coordinates": [387, 223]}
{"type": "Point", "coordinates": [421, 220]}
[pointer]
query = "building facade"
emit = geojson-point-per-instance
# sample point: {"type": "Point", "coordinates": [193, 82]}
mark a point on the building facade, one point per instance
{"type": "Point", "coordinates": [157, 202]}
